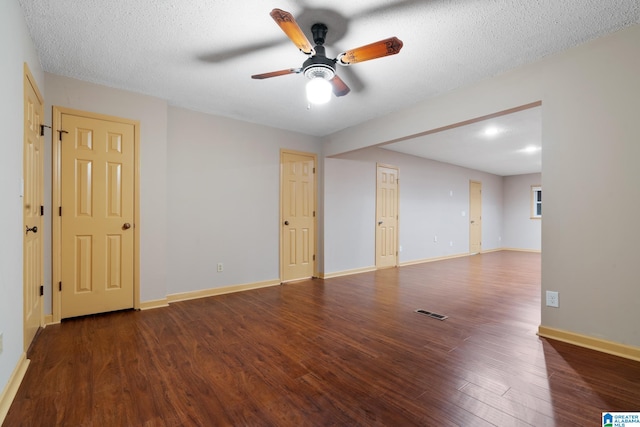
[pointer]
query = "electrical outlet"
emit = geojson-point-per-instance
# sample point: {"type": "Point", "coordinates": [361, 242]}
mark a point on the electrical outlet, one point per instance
{"type": "Point", "coordinates": [451, 243]}
{"type": "Point", "coordinates": [400, 248]}
{"type": "Point", "coordinates": [552, 299]}
{"type": "Point", "coordinates": [220, 267]}
{"type": "Point", "coordinates": [435, 239]}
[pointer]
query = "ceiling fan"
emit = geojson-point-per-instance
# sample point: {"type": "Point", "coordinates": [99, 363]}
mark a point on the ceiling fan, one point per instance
{"type": "Point", "coordinates": [320, 70]}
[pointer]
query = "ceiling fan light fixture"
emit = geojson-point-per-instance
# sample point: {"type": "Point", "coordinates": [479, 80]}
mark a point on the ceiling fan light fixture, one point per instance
{"type": "Point", "coordinates": [319, 70]}
{"type": "Point", "coordinates": [319, 90]}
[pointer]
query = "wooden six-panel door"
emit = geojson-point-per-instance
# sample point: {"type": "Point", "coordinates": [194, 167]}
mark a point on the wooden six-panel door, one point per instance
{"type": "Point", "coordinates": [33, 208]}
{"type": "Point", "coordinates": [475, 217]}
{"type": "Point", "coordinates": [97, 173]}
{"type": "Point", "coordinates": [386, 216]}
{"type": "Point", "coordinates": [297, 213]}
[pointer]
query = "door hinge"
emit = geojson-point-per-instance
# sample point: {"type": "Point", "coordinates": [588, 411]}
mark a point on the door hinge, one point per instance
{"type": "Point", "coordinates": [42, 129]}
{"type": "Point", "coordinates": [314, 214]}
{"type": "Point", "coordinates": [41, 210]}
{"type": "Point", "coordinates": [314, 170]}
{"type": "Point", "coordinates": [60, 132]}
{"type": "Point", "coordinates": [41, 290]}
{"type": "Point", "coordinates": [314, 257]}
{"type": "Point", "coordinates": [59, 286]}
{"type": "Point", "coordinates": [59, 210]}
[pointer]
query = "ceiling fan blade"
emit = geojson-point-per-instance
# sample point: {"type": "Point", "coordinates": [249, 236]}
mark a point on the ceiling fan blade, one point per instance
{"type": "Point", "coordinates": [276, 73]}
{"type": "Point", "coordinates": [340, 88]}
{"type": "Point", "coordinates": [290, 27]}
{"type": "Point", "coordinates": [385, 47]}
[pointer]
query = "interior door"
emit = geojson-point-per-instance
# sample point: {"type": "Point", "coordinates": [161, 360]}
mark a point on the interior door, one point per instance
{"type": "Point", "coordinates": [386, 216]}
{"type": "Point", "coordinates": [297, 213]}
{"type": "Point", "coordinates": [475, 217]}
{"type": "Point", "coordinates": [97, 167]}
{"type": "Point", "coordinates": [33, 200]}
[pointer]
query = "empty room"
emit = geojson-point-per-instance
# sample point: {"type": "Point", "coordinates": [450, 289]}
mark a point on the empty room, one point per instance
{"type": "Point", "coordinates": [319, 213]}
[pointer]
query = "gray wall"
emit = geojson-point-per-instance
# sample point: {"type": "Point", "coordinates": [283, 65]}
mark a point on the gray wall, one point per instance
{"type": "Point", "coordinates": [152, 114]}
{"type": "Point", "coordinates": [209, 190]}
{"type": "Point", "coordinates": [519, 231]}
{"type": "Point", "coordinates": [590, 101]}
{"type": "Point", "coordinates": [590, 98]}
{"type": "Point", "coordinates": [433, 198]}
{"type": "Point", "coordinates": [224, 205]}
{"type": "Point", "coordinates": [16, 48]}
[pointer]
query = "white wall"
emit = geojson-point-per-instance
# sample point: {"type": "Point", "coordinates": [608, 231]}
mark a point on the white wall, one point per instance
{"type": "Point", "coordinates": [223, 181]}
{"type": "Point", "coordinates": [519, 231]}
{"type": "Point", "coordinates": [16, 48]}
{"type": "Point", "coordinates": [433, 198]}
{"type": "Point", "coordinates": [590, 101]}
{"type": "Point", "coordinates": [152, 114]}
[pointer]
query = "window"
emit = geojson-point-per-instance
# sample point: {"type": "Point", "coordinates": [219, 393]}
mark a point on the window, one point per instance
{"type": "Point", "coordinates": [536, 202]}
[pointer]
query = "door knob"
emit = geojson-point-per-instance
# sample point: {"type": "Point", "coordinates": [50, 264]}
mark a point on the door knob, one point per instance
{"type": "Point", "coordinates": [286, 223]}
{"type": "Point", "coordinates": [472, 222]}
{"type": "Point", "coordinates": [379, 222]}
{"type": "Point", "coordinates": [126, 226]}
{"type": "Point", "coordinates": [34, 229]}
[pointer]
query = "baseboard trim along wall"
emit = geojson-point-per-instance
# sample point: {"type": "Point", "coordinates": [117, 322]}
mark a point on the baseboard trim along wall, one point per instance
{"type": "Point", "coordinates": [156, 303]}
{"type": "Point", "coordinates": [440, 258]}
{"type": "Point", "coordinates": [9, 392]}
{"type": "Point", "coordinates": [184, 296]}
{"type": "Point", "coordinates": [533, 251]}
{"type": "Point", "coordinates": [346, 272]}
{"type": "Point", "coordinates": [417, 261]}
{"type": "Point", "coordinates": [604, 346]}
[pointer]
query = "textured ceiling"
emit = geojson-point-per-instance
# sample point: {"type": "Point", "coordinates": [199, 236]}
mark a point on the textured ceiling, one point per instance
{"type": "Point", "coordinates": [200, 54]}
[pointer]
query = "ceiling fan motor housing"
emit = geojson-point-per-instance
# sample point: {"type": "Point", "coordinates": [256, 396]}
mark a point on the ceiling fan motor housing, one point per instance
{"type": "Point", "coordinates": [319, 65]}
{"type": "Point", "coordinates": [319, 32]}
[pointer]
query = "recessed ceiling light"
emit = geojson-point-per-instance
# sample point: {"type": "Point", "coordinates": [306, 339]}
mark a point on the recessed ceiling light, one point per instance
{"type": "Point", "coordinates": [492, 131]}
{"type": "Point", "coordinates": [531, 149]}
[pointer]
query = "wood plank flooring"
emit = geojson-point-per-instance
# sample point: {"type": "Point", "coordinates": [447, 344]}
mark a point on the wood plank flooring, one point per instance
{"type": "Point", "coordinates": [347, 351]}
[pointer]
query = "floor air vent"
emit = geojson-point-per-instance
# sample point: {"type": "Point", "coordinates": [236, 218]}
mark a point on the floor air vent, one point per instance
{"type": "Point", "coordinates": [430, 314]}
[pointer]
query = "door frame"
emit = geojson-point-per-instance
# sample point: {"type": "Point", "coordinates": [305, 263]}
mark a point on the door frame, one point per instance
{"type": "Point", "coordinates": [315, 208]}
{"type": "Point", "coordinates": [28, 79]}
{"type": "Point", "coordinates": [56, 220]}
{"type": "Point", "coordinates": [397, 256]}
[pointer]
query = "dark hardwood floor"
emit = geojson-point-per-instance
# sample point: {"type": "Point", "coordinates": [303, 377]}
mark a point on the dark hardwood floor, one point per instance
{"type": "Point", "coordinates": [347, 351]}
